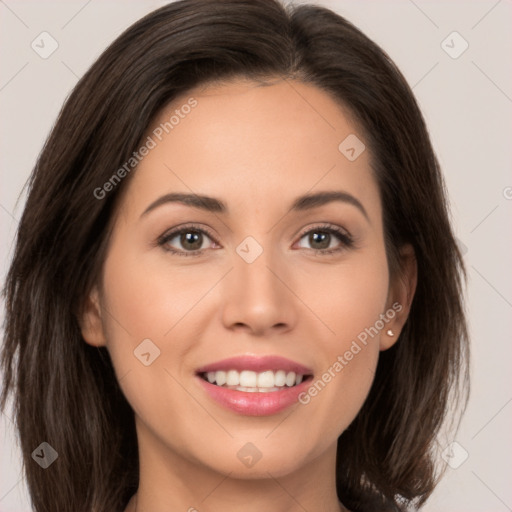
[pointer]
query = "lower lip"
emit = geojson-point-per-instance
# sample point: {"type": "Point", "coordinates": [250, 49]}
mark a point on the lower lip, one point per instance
{"type": "Point", "coordinates": [255, 404]}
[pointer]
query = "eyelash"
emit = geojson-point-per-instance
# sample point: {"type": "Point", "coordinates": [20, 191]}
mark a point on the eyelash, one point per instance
{"type": "Point", "coordinates": [344, 237]}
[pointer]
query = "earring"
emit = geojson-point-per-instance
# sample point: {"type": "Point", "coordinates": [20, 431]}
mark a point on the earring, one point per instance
{"type": "Point", "coordinates": [389, 332]}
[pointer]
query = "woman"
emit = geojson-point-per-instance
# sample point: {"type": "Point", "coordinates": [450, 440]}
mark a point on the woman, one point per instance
{"type": "Point", "coordinates": [307, 353]}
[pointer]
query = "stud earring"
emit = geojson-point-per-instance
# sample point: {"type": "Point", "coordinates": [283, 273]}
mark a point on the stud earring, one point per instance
{"type": "Point", "coordinates": [389, 332]}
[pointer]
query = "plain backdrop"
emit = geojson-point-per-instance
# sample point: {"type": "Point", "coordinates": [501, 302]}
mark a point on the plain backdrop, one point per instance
{"type": "Point", "coordinates": [466, 98]}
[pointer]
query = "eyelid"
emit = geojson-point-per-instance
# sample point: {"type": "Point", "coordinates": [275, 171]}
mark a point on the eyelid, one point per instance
{"type": "Point", "coordinates": [327, 226]}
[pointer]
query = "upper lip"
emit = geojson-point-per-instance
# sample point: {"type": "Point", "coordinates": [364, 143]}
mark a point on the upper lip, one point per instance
{"type": "Point", "coordinates": [256, 364]}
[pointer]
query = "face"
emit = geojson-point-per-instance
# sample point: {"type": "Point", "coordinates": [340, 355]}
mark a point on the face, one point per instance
{"type": "Point", "coordinates": [253, 278]}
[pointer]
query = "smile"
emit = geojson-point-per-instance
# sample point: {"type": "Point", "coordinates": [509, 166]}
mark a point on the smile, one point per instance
{"type": "Point", "coordinates": [254, 386]}
{"type": "Point", "coordinates": [252, 382]}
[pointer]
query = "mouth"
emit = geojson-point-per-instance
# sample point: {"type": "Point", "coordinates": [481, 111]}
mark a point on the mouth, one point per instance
{"type": "Point", "coordinates": [249, 381]}
{"type": "Point", "coordinates": [254, 386]}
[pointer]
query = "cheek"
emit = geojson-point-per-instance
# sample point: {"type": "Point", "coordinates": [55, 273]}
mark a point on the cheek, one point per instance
{"type": "Point", "coordinates": [349, 296]}
{"type": "Point", "coordinates": [147, 303]}
{"type": "Point", "coordinates": [148, 298]}
{"type": "Point", "coordinates": [144, 303]}
{"type": "Point", "coordinates": [350, 300]}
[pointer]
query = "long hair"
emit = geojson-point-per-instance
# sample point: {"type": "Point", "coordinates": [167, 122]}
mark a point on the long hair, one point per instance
{"type": "Point", "coordinates": [65, 391]}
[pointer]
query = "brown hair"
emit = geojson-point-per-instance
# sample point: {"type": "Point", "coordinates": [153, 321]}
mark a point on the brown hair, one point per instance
{"type": "Point", "coordinates": [65, 391]}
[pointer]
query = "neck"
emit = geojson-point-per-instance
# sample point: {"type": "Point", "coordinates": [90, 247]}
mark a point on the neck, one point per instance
{"type": "Point", "coordinates": [168, 481]}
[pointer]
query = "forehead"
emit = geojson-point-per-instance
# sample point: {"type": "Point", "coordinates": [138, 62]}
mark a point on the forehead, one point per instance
{"type": "Point", "coordinates": [253, 144]}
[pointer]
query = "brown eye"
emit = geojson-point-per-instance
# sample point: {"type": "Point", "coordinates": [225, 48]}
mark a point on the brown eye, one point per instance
{"type": "Point", "coordinates": [321, 238]}
{"type": "Point", "coordinates": [187, 241]}
{"type": "Point", "coordinates": [192, 240]}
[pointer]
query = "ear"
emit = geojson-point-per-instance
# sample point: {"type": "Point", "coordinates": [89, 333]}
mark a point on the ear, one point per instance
{"type": "Point", "coordinates": [90, 320]}
{"type": "Point", "coordinates": [400, 296]}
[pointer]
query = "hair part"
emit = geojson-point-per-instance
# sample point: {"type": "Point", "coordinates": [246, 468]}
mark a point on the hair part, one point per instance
{"type": "Point", "coordinates": [66, 392]}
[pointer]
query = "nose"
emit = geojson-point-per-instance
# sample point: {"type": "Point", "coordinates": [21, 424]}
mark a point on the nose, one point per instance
{"type": "Point", "coordinates": [258, 297]}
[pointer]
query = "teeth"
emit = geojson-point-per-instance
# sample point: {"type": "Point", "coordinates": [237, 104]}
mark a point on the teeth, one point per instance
{"type": "Point", "coordinates": [280, 378]}
{"type": "Point", "coordinates": [266, 379]}
{"type": "Point", "coordinates": [250, 381]}
{"type": "Point", "coordinates": [232, 379]}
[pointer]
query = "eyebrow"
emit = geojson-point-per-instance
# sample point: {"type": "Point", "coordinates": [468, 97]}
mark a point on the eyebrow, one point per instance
{"type": "Point", "coordinates": [214, 205]}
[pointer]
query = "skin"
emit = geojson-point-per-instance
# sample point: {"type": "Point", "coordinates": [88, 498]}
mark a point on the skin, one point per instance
{"type": "Point", "coordinates": [256, 148]}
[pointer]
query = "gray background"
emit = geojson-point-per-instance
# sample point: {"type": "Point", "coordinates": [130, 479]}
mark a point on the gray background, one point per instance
{"type": "Point", "coordinates": [467, 102]}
